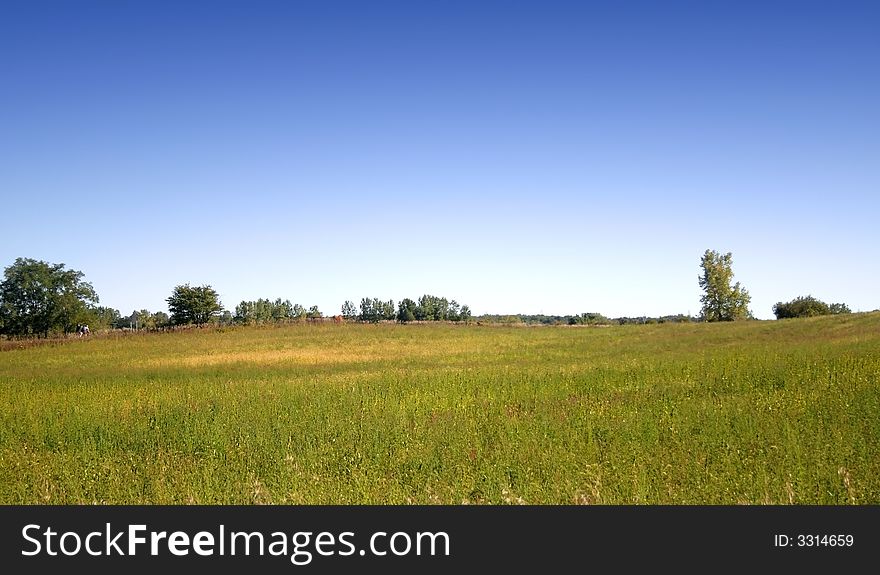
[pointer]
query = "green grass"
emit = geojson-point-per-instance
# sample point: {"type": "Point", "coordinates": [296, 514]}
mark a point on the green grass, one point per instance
{"type": "Point", "coordinates": [754, 412]}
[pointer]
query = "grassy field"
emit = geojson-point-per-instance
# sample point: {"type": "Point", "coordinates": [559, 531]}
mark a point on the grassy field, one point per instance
{"type": "Point", "coordinates": [755, 412]}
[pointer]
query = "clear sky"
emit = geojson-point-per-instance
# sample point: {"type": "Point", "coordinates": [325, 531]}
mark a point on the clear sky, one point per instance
{"type": "Point", "coordinates": [534, 157]}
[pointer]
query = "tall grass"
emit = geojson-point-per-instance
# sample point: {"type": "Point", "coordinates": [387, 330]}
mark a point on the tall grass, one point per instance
{"type": "Point", "coordinates": [755, 412]}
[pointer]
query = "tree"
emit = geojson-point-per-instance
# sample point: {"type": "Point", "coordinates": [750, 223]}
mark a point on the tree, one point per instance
{"type": "Point", "coordinates": [423, 311]}
{"type": "Point", "coordinates": [837, 308]}
{"type": "Point", "coordinates": [193, 305]}
{"type": "Point", "coordinates": [244, 312]}
{"type": "Point", "coordinates": [388, 310]}
{"type": "Point", "coordinates": [454, 311]}
{"type": "Point", "coordinates": [371, 310]}
{"type": "Point", "coordinates": [432, 308]}
{"type": "Point", "coordinates": [161, 319]}
{"type": "Point", "coordinates": [102, 318]}
{"type": "Point", "coordinates": [589, 318]}
{"type": "Point", "coordinates": [37, 298]}
{"type": "Point", "coordinates": [145, 320]}
{"type": "Point", "coordinates": [807, 306]}
{"type": "Point", "coordinates": [282, 310]}
{"type": "Point", "coordinates": [265, 311]}
{"type": "Point", "coordinates": [721, 302]}
{"type": "Point", "coordinates": [349, 311]}
{"type": "Point", "coordinates": [406, 310]}
{"type": "Point", "coordinates": [314, 313]}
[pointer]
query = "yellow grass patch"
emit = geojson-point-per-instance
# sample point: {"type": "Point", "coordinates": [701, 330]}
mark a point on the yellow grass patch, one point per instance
{"type": "Point", "coordinates": [315, 356]}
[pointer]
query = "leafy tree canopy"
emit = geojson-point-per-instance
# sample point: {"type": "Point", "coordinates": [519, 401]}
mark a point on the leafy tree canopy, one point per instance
{"type": "Point", "coordinates": [721, 301]}
{"type": "Point", "coordinates": [406, 310]}
{"type": "Point", "coordinates": [349, 310]}
{"type": "Point", "coordinates": [193, 305]}
{"type": "Point", "coordinates": [38, 298]}
{"type": "Point", "coordinates": [807, 306]}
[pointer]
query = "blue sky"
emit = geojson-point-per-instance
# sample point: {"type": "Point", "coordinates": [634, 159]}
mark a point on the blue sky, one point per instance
{"type": "Point", "coordinates": [534, 157]}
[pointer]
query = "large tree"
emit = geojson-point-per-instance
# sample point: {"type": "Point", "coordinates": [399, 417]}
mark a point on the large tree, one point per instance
{"type": "Point", "coordinates": [37, 298]}
{"type": "Point", "coordinates": [721, 301]}
{"type": "Point", "coordinates": [196, 305]}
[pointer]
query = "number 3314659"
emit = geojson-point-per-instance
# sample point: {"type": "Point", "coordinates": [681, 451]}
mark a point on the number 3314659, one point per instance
{"type": "Point", "coordinates": [824, 540]}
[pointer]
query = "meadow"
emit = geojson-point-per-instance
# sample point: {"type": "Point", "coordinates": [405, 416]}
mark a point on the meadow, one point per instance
{"type": "Point", "coordinates": [784, 412]}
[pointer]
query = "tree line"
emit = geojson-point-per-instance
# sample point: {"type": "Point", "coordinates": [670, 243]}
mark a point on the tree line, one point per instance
{"type": "Point", "coordinates": [427, 308]}
{"type": "Point", "coordinates": [264, 311]}
{"type": "Point", "coordinates": [39, 299]}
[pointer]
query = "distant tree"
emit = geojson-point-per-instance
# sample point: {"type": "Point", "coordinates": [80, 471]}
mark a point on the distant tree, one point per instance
{"type": "Point", "coordinates": [142, 319]}
{"type": "Point", "coordinates": [590, 318]}
{"type": "Point", "coordinates": [124, 322]}
{"type": "Point", "coordinates": [441, 309]}
{"type": "Point", "coordinates": [721, 301]}
{"type": "Point", "coordinates": [406, 310]}
{"type": "Point", "coordinates": [264, 310]}
{"type": "Point", "coordinates": [428, 308]}
{"type": "Point", "coordinates": [244, 313]}
{"type": "Point", "coordinates": [314, 313]}
{"type": "Point", "coordinates": [349, 311]}
{"type": "Point", "coordinates": [838, 308]}
{"type": "Point", "coordinates": [282, 311]}
{"type": "Point", "coordinates": [424, 310]}
{"type": "Point", "coordinates": [432, 308]}
{"type": "Point", "coordinates": [100, 317]}
{"type": "Point", "coordinates": [807, 306]}
{"type": "Point", "coordinates": [193, 305]}
{"type": "Point", "coordinates": [37, 298]}
{"type": "Point", "coordinates": [371, 310]}
{"type": "Point", "coordinates": [454, 311]}
{"type": "Point", "coordinates": [130, 321]}
{"type": "Point", "coordinates": [388, 310]}
{"type": "Point", "coordinates": [161, 319]}
{"type": "Point", "coordinates": [145, 320]}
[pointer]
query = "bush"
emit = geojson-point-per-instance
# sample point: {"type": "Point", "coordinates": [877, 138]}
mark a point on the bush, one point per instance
{"type": "Point", "coordinates": [807, 306]}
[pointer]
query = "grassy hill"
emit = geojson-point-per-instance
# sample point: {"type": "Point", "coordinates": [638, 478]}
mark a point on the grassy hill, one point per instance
{"type": "Point", "coordinates": [752, 412]}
